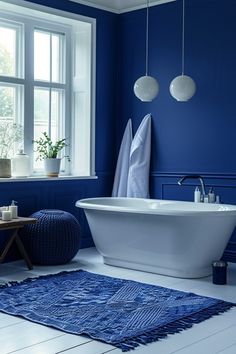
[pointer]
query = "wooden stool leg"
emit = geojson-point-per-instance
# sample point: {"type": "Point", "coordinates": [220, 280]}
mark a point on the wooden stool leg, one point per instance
{"type": "Point", "coordinates": [8, 245]}
{"type": "Point", "coordinates": [23, 252]}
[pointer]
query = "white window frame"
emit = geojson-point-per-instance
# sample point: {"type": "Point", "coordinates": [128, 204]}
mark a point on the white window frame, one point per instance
{"type": "Point", "coordinates": [82, 103]}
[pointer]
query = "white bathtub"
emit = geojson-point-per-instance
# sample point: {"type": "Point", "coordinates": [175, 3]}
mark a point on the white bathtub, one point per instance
{"type": "Point", "coordinates": [175, 238]}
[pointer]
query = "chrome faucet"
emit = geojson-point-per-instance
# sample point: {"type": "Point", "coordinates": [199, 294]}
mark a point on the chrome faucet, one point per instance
{"type": "Point", "coordinates": [182, 179]}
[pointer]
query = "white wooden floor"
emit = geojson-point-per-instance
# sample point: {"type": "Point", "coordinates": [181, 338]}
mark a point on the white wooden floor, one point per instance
{"type": "Point", "coordinates": [216, 335]}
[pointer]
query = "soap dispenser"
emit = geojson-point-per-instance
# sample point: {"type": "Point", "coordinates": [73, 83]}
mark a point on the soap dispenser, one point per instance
{"type": "Point", "coordinates": [13, 208]}
{"type": "Point", "coordinates": [21, 164]}
{"type": "Point", "coordinates": [211, 196]}
{"type": "Point", "coordinates": [197, 195]}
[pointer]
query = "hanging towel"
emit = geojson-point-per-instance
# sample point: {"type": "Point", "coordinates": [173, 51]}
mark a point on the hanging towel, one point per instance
{"type": "Point", "coordinates": [122, 167]}
{"type": "Point", "coordinates": [140, 151]}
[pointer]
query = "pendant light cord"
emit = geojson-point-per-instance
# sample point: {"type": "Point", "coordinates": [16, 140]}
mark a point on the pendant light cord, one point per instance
{"type": "Point", "coordinates": [147, 36]}
{"type": "Point", "coordinates": [183, 36]}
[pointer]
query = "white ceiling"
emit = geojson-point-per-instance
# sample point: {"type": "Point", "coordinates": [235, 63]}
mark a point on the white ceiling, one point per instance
{"type": "Point", "coordinates": [119, 6]}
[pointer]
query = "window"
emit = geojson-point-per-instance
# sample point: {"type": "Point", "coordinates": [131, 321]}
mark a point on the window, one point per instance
{"type": "Point", "coordinates": [47, 81]}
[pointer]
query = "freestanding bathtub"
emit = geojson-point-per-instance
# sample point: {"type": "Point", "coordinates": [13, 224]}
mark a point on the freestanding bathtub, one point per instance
{"type": "Point", "coordinates": [174, 238]}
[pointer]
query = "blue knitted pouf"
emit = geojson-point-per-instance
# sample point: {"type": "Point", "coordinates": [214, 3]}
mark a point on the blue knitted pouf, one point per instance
{"type": "Point", "coordinates": [54, 239]}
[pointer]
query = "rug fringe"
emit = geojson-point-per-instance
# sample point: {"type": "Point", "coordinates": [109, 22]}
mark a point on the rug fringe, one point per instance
{"type": "Point", "coordinates": [174, 327]}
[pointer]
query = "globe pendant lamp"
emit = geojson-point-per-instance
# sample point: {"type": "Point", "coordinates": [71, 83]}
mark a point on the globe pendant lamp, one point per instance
{"type": "Point", "coordinates": [182, 87]}
{"type": "Point", "coordinates": [146, 88]}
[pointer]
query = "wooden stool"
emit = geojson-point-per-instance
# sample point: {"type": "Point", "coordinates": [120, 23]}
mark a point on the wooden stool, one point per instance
{"type": "Point", "coordinates": [15, 225]}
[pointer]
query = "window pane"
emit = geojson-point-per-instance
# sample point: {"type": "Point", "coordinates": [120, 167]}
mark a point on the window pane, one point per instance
{"type": "Point", "coordinates": [7, 115]}
{"type": "Point", "coordinates": [48, 117]}
{"type": "Point", "coordinates": [11, 135]}
{"type": "Point", "coordinates": [11, 103]}
{"type": "Point", "coordinates": [41, 107]}
{"type": "Point", "coordinates": [57, 113]}
{"type": "Point", "coordinates": [49, 56]}
{"type": "Point", "coordinates": [57, 58]}
{"type": "Point", "coordinates": [57, 120]}
{"type": "Point", "coordinates": [7, 51]}
{"type": "Point", "coordinates": [7, 103]}
{"type": "Point", "coordinates": [41, 117]}
{"type": "Point", "coordinates": [41, 56]}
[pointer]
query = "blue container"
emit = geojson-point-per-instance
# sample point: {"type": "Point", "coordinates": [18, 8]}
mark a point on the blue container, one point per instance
{"type": "Point", "coordinates": [54, 239]}
{"type": "Point", "coordinates": [219, 272]}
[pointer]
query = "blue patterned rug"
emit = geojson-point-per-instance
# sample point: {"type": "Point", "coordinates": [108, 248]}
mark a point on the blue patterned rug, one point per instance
{"type": "Point", "coordinates": [120, 312]}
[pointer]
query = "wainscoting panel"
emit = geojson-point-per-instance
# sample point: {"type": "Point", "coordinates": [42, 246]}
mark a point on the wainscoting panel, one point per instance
{"type": "Point", "coordinates": [165, 186]}
{"type": "Point", "coordinates": [33, 196]}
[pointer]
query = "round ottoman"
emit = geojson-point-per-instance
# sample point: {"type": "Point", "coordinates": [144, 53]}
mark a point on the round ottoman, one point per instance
{"type": "Point", "coordinates": [54, 239]}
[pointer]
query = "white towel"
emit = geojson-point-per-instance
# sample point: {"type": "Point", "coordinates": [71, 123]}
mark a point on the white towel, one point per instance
{"type": "Point", "coordinates": [139, 165]}
{"type": "Point", "coordinates": [122, 167]}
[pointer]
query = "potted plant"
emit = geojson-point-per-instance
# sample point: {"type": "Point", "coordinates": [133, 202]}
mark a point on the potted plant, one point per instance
{"type": "Point", "coordinates": [48, 152]}
{"type": "Point", "coordinates": [11, 134]}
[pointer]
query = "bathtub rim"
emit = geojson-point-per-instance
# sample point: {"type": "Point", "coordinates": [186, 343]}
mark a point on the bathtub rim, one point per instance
{"type": "Point", "coordinates": [90, 203]}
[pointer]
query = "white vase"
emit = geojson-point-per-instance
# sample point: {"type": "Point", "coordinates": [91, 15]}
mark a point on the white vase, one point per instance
{"type": "Point", "coordinates": [52, 166]}
{"type": "Point", "coordinates": [5, 168]}
{"type": "Point", "coordinates": [20, 165]}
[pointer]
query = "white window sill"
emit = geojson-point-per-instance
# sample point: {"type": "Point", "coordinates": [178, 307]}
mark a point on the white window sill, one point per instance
{"type": "Point", "coordinates": [45, 178]}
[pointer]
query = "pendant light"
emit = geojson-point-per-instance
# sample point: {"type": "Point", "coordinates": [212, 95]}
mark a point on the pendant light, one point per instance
{"type": "Point", "coordinates": [146, 88]}
{"type": "Point", "coordinates": [183, 87]}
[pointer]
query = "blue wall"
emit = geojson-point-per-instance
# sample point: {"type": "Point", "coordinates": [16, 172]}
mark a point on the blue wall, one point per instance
{"type": "Point", "coordinates": [192, 137]}
{"type": "Point", "coordinates": [197, 136]}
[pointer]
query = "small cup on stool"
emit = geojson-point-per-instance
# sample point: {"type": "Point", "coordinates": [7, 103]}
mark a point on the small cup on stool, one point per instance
{"type": "Point", "coordinates": [6, 215]}
{"type": "Point", "coordinates": [219, 272]}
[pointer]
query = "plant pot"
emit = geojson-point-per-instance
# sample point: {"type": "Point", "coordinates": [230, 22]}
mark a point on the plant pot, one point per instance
{"type": "Point", "coordinates": [52, 167]}
{"type": "Point", "coordinates": [5, 168]}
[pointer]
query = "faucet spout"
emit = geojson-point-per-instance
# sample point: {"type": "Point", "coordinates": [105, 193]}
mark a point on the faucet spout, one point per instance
{"type": "Point", "coordinates": [202, 185]}
{"type": "Point", "coordinates": [182, 179]}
